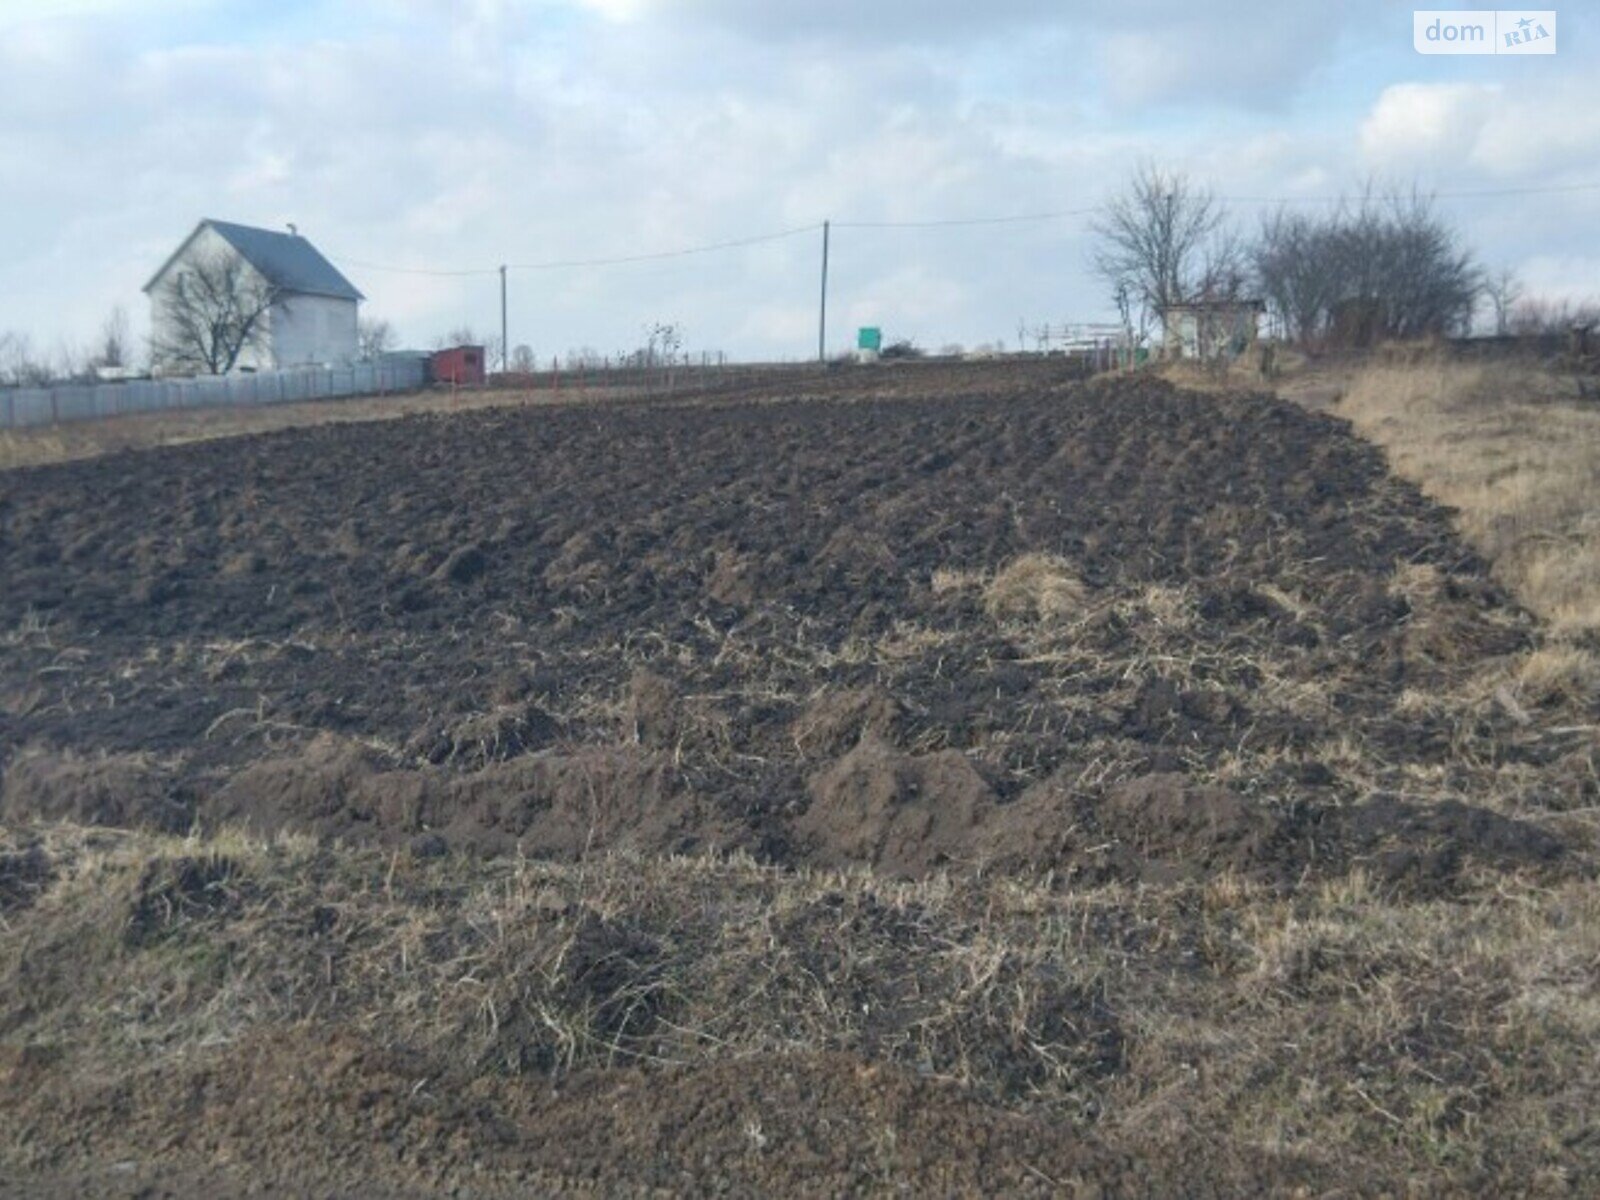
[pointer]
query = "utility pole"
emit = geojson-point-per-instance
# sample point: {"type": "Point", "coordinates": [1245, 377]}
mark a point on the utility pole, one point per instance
{"type": "Point", "coordinates": [822, 324]}
{"type": "Point", "coordinates": [505, 350]}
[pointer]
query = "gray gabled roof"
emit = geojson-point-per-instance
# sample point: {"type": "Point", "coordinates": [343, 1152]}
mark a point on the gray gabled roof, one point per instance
{"type": "Point", "coordinates": [285, 260]}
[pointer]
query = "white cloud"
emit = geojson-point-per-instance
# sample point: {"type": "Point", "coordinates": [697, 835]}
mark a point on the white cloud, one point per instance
{"type": "Point", "coordinates": [1547, 125]}
{"type": "Point", "coordinates": [1420, 124]}
{"type": "Point", "coordinates": [619, 10]}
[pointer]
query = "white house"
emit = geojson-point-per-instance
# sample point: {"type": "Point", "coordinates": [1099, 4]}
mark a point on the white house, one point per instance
{"type": "Point", "coordinates": [312, 315]}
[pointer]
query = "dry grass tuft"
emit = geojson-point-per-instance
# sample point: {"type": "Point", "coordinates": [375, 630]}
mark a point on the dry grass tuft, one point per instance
{"type": "Point", "coordinates": [1557, 674]}
{"type": "Point", "coordinates": [1036, 587]}
{"type": "Point", "coordinates": [947, 580]}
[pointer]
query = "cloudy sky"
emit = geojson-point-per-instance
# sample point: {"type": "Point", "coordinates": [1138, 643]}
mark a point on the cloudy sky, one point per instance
{"type": "Point", "coordinates": [454, 135]}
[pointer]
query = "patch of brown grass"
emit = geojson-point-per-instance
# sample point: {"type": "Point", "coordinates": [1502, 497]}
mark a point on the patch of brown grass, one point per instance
{"type": "Point", "coordinates": [1514, 450]}
{"type": "Point", "coordinates": [74, 440]}
{"type": "Point", "coordinates": [1555, 674]}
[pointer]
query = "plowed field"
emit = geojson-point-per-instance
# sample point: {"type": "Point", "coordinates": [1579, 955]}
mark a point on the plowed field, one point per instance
{"type": "Point", "coordinates": [945, 628]}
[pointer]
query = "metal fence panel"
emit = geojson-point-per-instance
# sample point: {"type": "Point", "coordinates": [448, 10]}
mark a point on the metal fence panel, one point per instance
{"type": "Point", "coordinates": [21, 408]}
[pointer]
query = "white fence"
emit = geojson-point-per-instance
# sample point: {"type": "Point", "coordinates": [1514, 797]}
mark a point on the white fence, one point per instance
{"type": "Point", "coordinates": [23, 407]}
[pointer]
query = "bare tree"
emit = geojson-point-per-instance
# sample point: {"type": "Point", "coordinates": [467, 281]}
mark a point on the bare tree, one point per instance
{"type": "Point", "coordinates": [1422, 282]}
{"type": "Point", "coordinates": [664, 340]}
{"type": "Point", "coordinates": [112, 349]}
{"type": "Point", "coordinates": [1503, 290]}
{"type": "Point", "coordinates": [1123, 296]}
{"type": "Point", "coordinates": [1536, 316]}
{"type": "Point", "coordinates": [1293, 260]}
{"type": "Point", "coordinates": [1163, 242]}
{"type": "Point", "coordinates": [522, 360]}
{"type": "Point", "coordinates": [19, 366]}
{"type": "Point", "coordinates": [212, 309]}
{"type": "Point", "coordinates": [1376, 267]}
{"type": "Point", "coordinates": [374, 338]}
{"type": "Point", "coordinates": [71, 364]}
{"type": "Point", "coordinates": [464, 335]}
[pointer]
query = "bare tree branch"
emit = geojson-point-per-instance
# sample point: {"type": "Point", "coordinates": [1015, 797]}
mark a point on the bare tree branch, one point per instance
{"type": "Point", "coordinates": [112, 350]}
{"type": "Point", "coordinates": [1503, 289]}
{"type": "Point", "coordinates": [1163, 242]}
{"type": "Point", "coordinates": [1376, 267]}
{"type": "Point", "coordinates": [374, 338]}
{"type": "Point", "coordinates": [19, 366]}
{"type": "Point", "coordinates": [211, 309]}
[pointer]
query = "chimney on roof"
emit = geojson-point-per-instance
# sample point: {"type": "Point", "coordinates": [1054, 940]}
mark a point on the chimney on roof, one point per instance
{"type": "Point", "coordinates": [293, 232]}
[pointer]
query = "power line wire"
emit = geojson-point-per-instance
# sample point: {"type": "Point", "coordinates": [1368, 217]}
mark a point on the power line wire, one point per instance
{"type": "Point", "coordinates": [431, 271]}
{"type": "Point", "coordinates": [936, 223]}
{"type": "Point", "coordinates": [566, 263]}
{"type": "Point", "coordinates": [665, 254]}
{"type": "Point", "coordinates": [1018, 219]}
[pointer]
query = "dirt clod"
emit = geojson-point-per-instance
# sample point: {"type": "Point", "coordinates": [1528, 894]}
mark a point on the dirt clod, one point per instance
{"type": "Point", "coordinates": [92, 789]}
{"type": "Point", "coordinates": [904, 814]}
{"type": "Point", "coordinates": [1201, 829]}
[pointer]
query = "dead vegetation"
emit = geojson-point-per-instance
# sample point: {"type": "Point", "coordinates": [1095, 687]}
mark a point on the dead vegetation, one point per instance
{"type": "Point", "coordinates": [74, 440]}
{"type": "Point", "coordinates": [1512, 445]}
{"type": "Point", "coordinates": [1515, 451]}
{"type": "Point", "coordinates": [1039, 587]}
{"type": "Point", "coordinates": [1336, 1036]}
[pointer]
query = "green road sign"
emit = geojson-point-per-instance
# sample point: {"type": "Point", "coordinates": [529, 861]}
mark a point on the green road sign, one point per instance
{"type": "Point", "coordinates": [870, 338]}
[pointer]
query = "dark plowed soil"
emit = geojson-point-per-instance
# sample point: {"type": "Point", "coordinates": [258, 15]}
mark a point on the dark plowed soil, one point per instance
{"type": "Point", "coordinates": [915, 632]}
{"type": "Point", "coordinates": [289, 1111]}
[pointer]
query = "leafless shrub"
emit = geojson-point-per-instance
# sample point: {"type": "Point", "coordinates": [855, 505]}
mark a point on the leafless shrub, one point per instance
{"type": "Point", "coordinates": [1379, 267]}
{"type": "Point", "coordinates": [1536, 316]}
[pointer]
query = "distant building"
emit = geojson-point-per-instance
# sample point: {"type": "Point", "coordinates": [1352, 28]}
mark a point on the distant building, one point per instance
{"type": "Point", "coordinates": [459, 365]}
{"type": "Point", "coordinates": [312, 319]}
{"type": "Point", "coordinates": [1211, 328]}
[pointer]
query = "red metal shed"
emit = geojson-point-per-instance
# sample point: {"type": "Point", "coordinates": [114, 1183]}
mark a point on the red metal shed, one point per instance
{"type": "Point", "coordinates": [459, 365]}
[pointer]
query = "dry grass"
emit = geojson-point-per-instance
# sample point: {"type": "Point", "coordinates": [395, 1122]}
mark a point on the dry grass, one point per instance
{"type": "Point", "coordinates": [1515, 451]}
{"type": "Point", "coordinates": [75, 440]}
{"type": "Point", "coordinates": [1446, 1046]}
{"type": "Point", "coordinates": [1037, 587]}
{"type": "Point", "coordinates": [1555, 674]}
